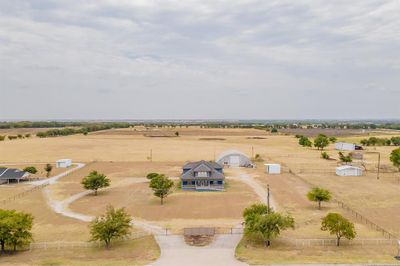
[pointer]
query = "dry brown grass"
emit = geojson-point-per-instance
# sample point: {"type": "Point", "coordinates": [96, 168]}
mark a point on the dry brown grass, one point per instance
{"type": "Point", "coordinates": [140, 202]}
{"type": "Point", "coordinates": [133, 252]}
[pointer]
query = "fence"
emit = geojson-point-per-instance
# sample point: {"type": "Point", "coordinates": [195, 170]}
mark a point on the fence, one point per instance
{"type": "Point", "coordinates": [82, 244]}
{"type": "Point", "coordinates": [356, 214]}
{"type": "Point", "coordinates": [325, 242]}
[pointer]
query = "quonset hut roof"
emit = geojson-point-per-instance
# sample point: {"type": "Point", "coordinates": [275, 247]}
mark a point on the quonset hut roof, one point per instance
{"type": "Point", "coordinates": [244, 160]}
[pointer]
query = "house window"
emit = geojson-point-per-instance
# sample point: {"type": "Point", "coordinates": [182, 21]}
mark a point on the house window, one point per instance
{"type": "Point", "coordinates": [184, 183]}
{"type": "Point", "coordinates": [211, 182]}
{"type": "Point", "coordinates": [220, 182]}
{"type": "Point", "coordinates": [193, 183]}
{"type": "Point", "coordinates": [202, 174]}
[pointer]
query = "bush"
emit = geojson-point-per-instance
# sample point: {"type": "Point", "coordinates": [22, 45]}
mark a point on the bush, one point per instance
{"type": "Point", "coordinates": [274, 130]}
{"type": "Point", "coordinates": [30, 169]}
{"type": "Point", "coordinates": [325, 155]}
{"type": "Point", "coordinates": [12, 137]}
{"type": "Point", "coordinates": [27, 135]}
{"type": "Point", "coordinates": [2, 138]}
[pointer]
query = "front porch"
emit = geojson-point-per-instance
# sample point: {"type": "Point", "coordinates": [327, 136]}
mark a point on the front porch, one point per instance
{"type": "Point", "coordinates": [203, 185]}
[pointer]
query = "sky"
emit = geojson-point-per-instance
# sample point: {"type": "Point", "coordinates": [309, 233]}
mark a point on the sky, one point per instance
{"type": "Point", "coordinates": [174, 59]}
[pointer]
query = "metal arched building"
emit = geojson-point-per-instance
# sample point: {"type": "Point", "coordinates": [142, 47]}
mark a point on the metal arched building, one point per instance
{"type": "Point", "coordinates": [234, 158]}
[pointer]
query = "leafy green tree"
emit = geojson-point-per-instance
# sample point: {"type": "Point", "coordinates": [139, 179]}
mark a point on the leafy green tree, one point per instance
{"type": "Point", "coordinates": [321, 141]}
{"type": "Point", "coordinates": [305, 142]}
{"type": "Point", "coordinates": [337, 225]}
{"type": "Point", "coordinates": [395, 141]}
{"type": "Point", "coordinates": [332, 139]}
{"type": "Point", "coordinates": [325, 155]}
{"type": "Point", "coordinates": [94, 181]}
{"type": "Point", "coordinates": [20, 233]}
{"type": "Point", "coordinates": [274, 130]}
{"type": "Point", "coordinates": [161, 186]}
{"type": "Point", "coordinates": [115, 224]}
{"type": "Point", "coordinates": [319, 195]}
{"type": "Point", "coordinates": [30, 169]}
{"type": "Point", "coordinates": [345, 158]}
{"type": "Point", "coordinates": [151, 175]}
{"type": "Point", "coordinates": [48, 169]}
{"type": "Point", "coordinates": [15, 228]}
{"type": "Point", "coordinates": [395, 158]}
{"type": "Point", "coordinates": [264, 223]}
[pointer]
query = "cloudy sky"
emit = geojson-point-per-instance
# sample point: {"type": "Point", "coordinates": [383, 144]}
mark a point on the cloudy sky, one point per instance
{"type": "Point", "coordinates": [144, 59]}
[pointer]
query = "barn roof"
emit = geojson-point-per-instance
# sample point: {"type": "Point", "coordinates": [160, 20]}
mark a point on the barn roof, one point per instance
{"type": "Point", "coordinates": [231, 152]}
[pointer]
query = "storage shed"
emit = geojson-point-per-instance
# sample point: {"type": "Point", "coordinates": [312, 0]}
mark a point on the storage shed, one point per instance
{"type": "Point", "coordinates": [272, 168]}
{"type": "Point", "coordinates": [343, 146]}
{"type": "Point", "coordinates": [349, 170]}
{"type": "Point", "coordinates": [233, 158]}
{"type": "Point", "coordinates": [63, 163]}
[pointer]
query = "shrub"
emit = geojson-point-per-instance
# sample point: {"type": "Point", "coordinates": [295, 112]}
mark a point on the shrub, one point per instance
{"type": "Point", "coordinates": [325, 155]}
{"type": "Point", "coordinates": [30, 169]}
{"type": "Point", "coordinates": [2, 138]}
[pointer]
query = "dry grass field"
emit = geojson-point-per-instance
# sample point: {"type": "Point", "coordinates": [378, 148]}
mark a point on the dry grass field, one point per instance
{"type": "Point", "coordinates": [133, 252]}
{"type": "Point", "coordinates": [124, 156]}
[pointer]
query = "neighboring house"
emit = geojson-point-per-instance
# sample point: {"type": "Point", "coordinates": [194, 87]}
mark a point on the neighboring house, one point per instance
{"type": "Point", "coordinates": [349, 170]}
{"type": "Point", "coordinates": [8, 175]}
{"type": "Point", "coordinates": [343, 146]}
{"type": "Point", "coordinates": [63, 163]}
{"type": "Point", "coordinates": [202, 175]}
{"type": "Point", "coordinates": [233, 158]}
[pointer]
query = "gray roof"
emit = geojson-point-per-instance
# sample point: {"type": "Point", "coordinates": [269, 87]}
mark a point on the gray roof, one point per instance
{"type": "Point", "coordinates": [202, 166]}
{"type": "Point", "coordinates": [11, 173]}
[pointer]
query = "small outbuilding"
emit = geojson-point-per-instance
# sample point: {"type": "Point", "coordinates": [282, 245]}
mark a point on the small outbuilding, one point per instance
{"type": "Point", "coordinates": [272, 168]}
{"type": "Point", "coordinates": [234, 158]}
{"type": "Point", "coordinates": [63, 163]}
{"type": "Point", "coordinates": [349, 170]}
{"type": "Point", "coordinates": [343, 146]}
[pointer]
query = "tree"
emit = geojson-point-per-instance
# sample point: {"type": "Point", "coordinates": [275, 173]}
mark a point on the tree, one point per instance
{"type": "Point", "coordinates": [177, 133]}
{"type": "Point", "coordinates": [20, 233]}
{"type": "Point", "coordinates": [27, 135]}
{"type": "Point", "coordinates": [319, 195]}
{"type": "Point", "coordinates": [395, 158]}
{"type": "Point", "coordinates": [115, 224]}
{"type": "Point", "coordinates": [332, 139]}
{"type": "Point", "coordinates": [265, 224]}
{"type": "Point", "coordinates": [321, 141]}
{"type": "Point", "coordinates": [345, 158]}
{"type": "Point", "coordinates": [161, 186]}
{"type": "Point", "coordinates": [94, 181]}
{"type": "Point", "coordinates": [30, 169]}
{"type": "Point", "coordinates": [395, 141]}
{"type": "Point", "coordinates": [2, 138]}
{"type": "Point", "coordinates": [15, 228]}
{"type": "Point", "coordinates": [337, 225]}
{"type": "Point", "coordinates": [48, 169]}
{"type": "Point", "coordinates": [305, 142]}
{"type": "Point", "coordinates": [274, 130]}
{"type": "Point", "coordinates": [151, 175]}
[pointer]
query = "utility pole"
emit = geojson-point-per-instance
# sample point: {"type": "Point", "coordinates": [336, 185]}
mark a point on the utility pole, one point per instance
{"type": "Point", "coordinates": [151, 155]}
{"type": "Point", "coordinates": [379, 164]}
{"type": "Point", "coordinates": [252, 152]}
{"type": "Point", "coordinates": [268, 198]}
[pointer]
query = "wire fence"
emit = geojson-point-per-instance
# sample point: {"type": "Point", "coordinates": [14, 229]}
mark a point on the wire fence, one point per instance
{"type": "Point", "coordinates": [326, 242]}
{"type": "Point", "coordinates": [82, 244]}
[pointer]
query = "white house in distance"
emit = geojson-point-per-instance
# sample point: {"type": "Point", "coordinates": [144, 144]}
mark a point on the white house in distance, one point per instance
{"type": "Point", "coordinates": [349, 170]}
{"type": "Point", "coordinates": [272, 168]}
{"type": "Point", "coordinates": [343, 146]}
{"type": "Point", "coordinates": [63, 163]}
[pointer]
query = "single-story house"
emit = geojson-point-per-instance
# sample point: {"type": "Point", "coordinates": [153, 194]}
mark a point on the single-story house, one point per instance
{"type": "Point", "coordinates": [63, 163]}
{"type": "Point", "coordinates": [233, 158]}
{"type": "Point", "coordinates": [349, 170]}
{"type": "Point", "coordinates": [343, 146]}
{"type": "Point", "coordinates": [272, 168]}
{"type": "Point", "coordinates": [202, 175]}
{"type": "Point", "coordinates": [8, 175]}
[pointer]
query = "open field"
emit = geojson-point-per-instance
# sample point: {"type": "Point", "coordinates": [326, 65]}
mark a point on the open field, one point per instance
{"type": "Point", "coordinates": [133, 252]}
{"type": "Point", "coordinates": [124, 156]}
{"type": "Point", "coordinates": [139, 201]}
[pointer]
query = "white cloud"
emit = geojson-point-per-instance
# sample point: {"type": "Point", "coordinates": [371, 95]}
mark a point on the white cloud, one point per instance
{"type": "Point", "coordinates": [170, 55]}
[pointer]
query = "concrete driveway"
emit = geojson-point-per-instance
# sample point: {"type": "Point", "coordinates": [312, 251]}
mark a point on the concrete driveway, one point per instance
{"type": "Point", "coordinates": [174, 251]}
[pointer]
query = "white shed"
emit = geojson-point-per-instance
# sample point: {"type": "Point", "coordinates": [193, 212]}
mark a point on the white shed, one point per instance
{"type": "Point", "coordinates": [272, 168]}
{"type": "Point", "coordinates": [233, 158]}
{"type": "Point", "coordinates": [344, 146]}
{"type": "Point", "coordinates": [63, 163]}
{"type": "Point", "coordinates": [349, 170]}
